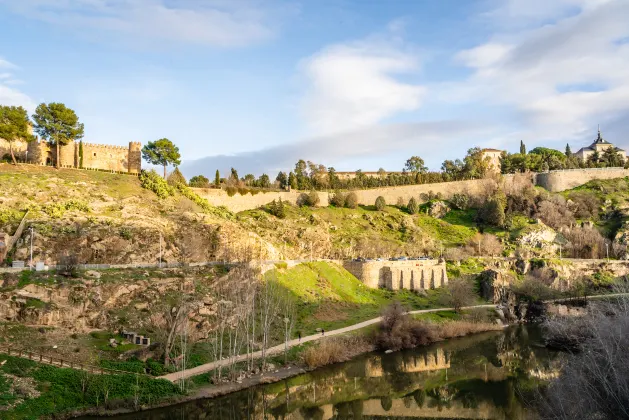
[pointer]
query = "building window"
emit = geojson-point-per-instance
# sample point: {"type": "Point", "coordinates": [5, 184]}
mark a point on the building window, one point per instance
{"type": "Point", "coordinates": [94, 154]}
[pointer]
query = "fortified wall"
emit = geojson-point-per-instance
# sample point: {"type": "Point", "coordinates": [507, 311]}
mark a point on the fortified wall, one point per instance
{"type": "Point", "coordinates": [94, 156]}
{"type": "Point", "coordinates": [566, 179]}
{"type": "Point", "coordinates": [397, 275]}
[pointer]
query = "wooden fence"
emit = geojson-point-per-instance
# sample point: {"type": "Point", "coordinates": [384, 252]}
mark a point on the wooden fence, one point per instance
{"type": "Point", "coordinates": [61, 363]}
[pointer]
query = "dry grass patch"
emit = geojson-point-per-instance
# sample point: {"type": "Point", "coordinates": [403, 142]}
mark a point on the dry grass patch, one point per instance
{"type": "Point", "coordinates": [336, 350]}
{"type": "Point", "coordinates": [455, 329]}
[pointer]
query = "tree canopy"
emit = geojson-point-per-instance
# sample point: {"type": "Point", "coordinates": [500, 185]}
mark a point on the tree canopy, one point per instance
{"type": "Point", "coordinates": [199, 181]}
{"type": "Point", "coordinates": [14, 126]}
{"type": "Point", "coordinates": [57, 124]}
{"type": "Point", "coordinates": [415, 164]}
{"type": "Point", "coordinates": [161, 152]}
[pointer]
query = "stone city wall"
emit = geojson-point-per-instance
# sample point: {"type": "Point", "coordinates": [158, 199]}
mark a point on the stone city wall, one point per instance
{"type": "Point", "coordinates": [562, 180]}
{"type": "Point", "coordinates": [396, 275]}
{"type": "Point", "coordinates": [19, 149]}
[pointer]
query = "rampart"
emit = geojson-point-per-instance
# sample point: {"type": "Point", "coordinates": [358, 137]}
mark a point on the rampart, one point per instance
{"type": "Point", "coordinates": [79, 155]}
{"type": "Point", "coordinates": [396, 275]}
{"type": "Point", "coordinates": [566, 179]}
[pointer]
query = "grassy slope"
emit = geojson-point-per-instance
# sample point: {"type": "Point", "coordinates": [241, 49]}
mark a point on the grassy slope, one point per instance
{"type": "Point", "coordinates": [62, 389]}
{"type": "Point", "coordinates": [328, 296]}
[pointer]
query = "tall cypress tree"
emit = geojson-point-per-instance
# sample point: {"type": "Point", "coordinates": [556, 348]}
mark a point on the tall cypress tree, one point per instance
{"type": "Point", "coordinates": [522, 148]}
{"type": "Point", "coordinates": [568, 151]}
{"type": "Point", "coordinates": [217, 179]}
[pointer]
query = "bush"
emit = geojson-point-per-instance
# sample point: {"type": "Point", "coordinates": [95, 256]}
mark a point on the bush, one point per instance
{"type": "Point", "coordinates": [412, 207]}
{"type": "Point", "coordinates": [351, 201]}
{"type": "Point", "coordinates": [311, 199]}
{"type": "Point", "coordinates": [199, 181]}
{"type": "Point", "coordinates": [492, 213]}
{"type": "Point", "coordinates": [338, 199]}
{"type": "Point", "coordinates": [153, 182]}
{"type": "Point", "coordinates": [380, 203]}
{"type": "Point", "coordinates": [176, 177]}
{"type": "Point", "coordinates": [399, 331]}
{"type": "Point", "coordinates": [276, 208]}
{"type": "Point", "coordinates": [460, 201]}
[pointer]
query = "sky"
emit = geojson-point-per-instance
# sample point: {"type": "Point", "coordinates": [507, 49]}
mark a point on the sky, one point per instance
{"type": "Point", "coordinates": [353, 84]}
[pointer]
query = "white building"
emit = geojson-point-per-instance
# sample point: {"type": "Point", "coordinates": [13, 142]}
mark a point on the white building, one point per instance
{"type": "Point", "coordinates": [599, 145]}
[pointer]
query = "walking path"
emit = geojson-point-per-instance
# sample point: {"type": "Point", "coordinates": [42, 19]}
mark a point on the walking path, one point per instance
{"type": "Point", "coordinates": [208, 367]}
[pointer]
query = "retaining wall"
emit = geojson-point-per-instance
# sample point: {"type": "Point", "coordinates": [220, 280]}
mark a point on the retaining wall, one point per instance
{"type": "Point", "coordinates": [562, 180]}
{"type": "Point", "coordinates": [396, 275]}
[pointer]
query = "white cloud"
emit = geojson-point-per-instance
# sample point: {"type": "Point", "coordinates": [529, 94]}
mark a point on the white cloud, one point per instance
{"type": "Point", "coordinates": [8, 94]}
{"type": "Point", "coordinates": [562, 77]}
{"type": "Point", "coordinates": [211, 22]}
{"type": "Point", "coordinates": [354, 86]}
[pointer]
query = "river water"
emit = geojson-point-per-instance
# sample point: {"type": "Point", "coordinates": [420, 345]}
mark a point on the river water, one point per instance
{"type": "Point", "coordinates": [485, 376]}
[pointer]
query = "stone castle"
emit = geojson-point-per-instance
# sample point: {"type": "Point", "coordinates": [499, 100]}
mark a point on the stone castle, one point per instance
{"type": "Point", "coordinates": [78, 155]}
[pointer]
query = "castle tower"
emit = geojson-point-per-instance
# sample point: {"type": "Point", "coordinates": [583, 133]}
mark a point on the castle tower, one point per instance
{"type": "Point", "coordinates": [67, 155]}
{"type": "Point", "coordinates": [135, 157]}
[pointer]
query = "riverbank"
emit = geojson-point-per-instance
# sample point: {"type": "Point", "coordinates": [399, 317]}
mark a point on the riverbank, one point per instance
{"type": "Point", "coordinates": [450, 330]}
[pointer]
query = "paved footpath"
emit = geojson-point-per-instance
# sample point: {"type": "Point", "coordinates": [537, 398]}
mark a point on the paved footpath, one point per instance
{"type": "Point", "coordinates": [208, 367]}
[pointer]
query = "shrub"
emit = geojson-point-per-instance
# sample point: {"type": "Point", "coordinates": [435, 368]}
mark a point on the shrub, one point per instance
{"type": "Point", "coordinates": [351, 201]}
{"type": "Point", "coordinates": [153, 182]}
{"type": "Point", "coordinates": [276, 208]}
{"type": "Point", "coordinates": [398, 331]}
{"type": "Point", "coordinates": [176, 177]}
{"type": "Point", "coordinates": [311, 199]}
{"type": "Point", "coordinates": [460, 201]}
{"type": "Point", "coordinates": [338, 199]}
{"type": "Point", "coordinates": [380, 203]}
{"type": "Point", "coordinates": [412, 207]}
{"type": "Point", "coordinates": [492, 213]}
{"type": "Point", "coordinates": [399, 203]}
{"type": "Point", "coordinates": [126, 233]}
{"type": "Point", "coordinates": [231, 190]}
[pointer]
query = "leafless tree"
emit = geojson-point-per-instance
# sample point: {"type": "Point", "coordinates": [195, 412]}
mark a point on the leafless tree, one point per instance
{"type": "Point", "coordinates": [459, 293]}
{"type": "Point", "coordinates": [593, 382]}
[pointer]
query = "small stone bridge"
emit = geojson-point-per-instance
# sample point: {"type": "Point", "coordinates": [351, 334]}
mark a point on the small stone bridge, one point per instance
{"type": "Point", "coordinates": [396, 275]}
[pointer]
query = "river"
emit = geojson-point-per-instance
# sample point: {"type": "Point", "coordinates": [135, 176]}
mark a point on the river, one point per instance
{"type": "Point", "coordinates": [485, 376]}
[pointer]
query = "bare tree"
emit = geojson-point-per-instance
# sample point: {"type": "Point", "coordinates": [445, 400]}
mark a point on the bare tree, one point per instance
{"type": "Point", "coordinates": [593, 382]}
{"type": "Point", "coordinates": [459, 293]}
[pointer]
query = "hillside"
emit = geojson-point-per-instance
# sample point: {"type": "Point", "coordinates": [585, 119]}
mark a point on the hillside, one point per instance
{"type": "Point", "coordinates": [108, 218]}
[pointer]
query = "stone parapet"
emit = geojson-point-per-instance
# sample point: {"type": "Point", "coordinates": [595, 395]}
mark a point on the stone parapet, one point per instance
{"type": "Point", "coordinates": [400, 275]}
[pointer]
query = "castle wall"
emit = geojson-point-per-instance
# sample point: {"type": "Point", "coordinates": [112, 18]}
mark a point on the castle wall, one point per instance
{"type": "Point", "coordinates": [238, 203]}
{"type": "Point", "coordinates": [19, 149]}
{"type": "Point", "coordinates": [102, 156]}
{"type": "Point", "coordinates": [399, 275]}
{"type": "Point", "coordinates": [562, 180]}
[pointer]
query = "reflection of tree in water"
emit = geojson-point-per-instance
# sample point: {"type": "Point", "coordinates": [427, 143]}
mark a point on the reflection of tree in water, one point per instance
{"type": "Point", "coordinates": [351, 410]}
{"type": "Point", "coordinates": [386, 403]}
{"type": "Point", "coordinates": [311, 413]}
{"type": "Point", "coordinates": [419, 396]}
{"type": "Point", "coordinates": [442, 396]}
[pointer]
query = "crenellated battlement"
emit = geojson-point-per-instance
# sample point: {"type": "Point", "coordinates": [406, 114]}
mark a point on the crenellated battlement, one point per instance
{"type": "Point", "coordinates": [83, 155]}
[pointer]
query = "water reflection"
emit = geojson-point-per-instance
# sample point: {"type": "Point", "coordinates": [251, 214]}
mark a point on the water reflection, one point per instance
{"type": "Point", "coordinates": [485, 376]}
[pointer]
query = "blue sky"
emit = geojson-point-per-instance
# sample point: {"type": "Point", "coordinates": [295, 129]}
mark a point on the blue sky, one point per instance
{"type": "Point", "coordinates": [354, 84]}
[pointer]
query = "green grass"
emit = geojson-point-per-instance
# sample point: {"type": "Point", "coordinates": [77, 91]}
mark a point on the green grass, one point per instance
{"type": "Point", "coordinates": [328, 296]}
{"type": "Point", "coordinates": [440, 316]}
{"type": "Point", "coordinates": [64, 389]}
{"type": "Point", "coordinates": [448, 234]}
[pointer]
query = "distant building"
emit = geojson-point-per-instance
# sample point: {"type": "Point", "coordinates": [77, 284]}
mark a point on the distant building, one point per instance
{"type": "Point", "coordinates": [599, 145]}
{"type": "Point", "coordinates": [494, 159]}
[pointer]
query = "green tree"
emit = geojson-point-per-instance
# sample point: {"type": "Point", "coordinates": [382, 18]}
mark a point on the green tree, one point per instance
{"type": "Point", "coordinates": [492, 213]}
{"type": "Point", "coordinates": [249, 179]}
{"type": "Point", "coordinates": [415, 164]}
{"type": "Point", "coordinates": [476, 165]}
{"type": "Point", "coordinates": [380, 203]}
{"type": "Point", "coordinates": [292, 181]}
{"type": "Point", "coordinates": [58, 125]}
{"type": "Point", "coordinates": [282, 179]}
{"type": "Point", "coordinates": [81, 154]}
{"type": "Point", "coordinates": [568, 151]}
{"type": "Point", "coordinates": [522, 148]}
{"type": "Point", "coordinates": [161, 152]}
{"type": "Point", "coordinates": [612, 158]}
{"type": "Point", "coordinates": [554, 159]}
{"type": "Point", "coordinates": [413, 206]}
{"type": "Point", "coordinates": [217, 179]}
{"type": "Point", "coordinates": [176, 177]}
{"type": "Point", "coordinates": [14, 126]}
{"type": "Point", "coordinates": [594, 159]}
{"type": "Point", "coordinates": [234, 175]}
{"type": "Point", "coordinates": [264, 181]}
{"type": "Point", "coordinates": [199, 181]}
{"type": "Point", "coordinates": [351, 201]}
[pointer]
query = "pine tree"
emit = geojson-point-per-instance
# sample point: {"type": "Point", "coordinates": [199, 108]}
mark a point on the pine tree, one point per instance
{"type": "Point", "coordinates": [568, 151]}
{"type": "Point", "coordinates": [522, 148]}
